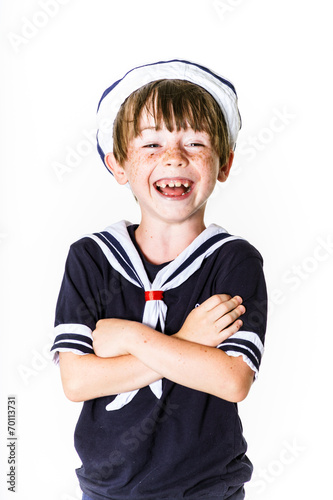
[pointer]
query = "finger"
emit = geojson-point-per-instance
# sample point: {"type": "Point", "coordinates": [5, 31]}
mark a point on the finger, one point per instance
{"type": "Point", "coordinates": [214, 301]}
{"type": "Point", "coordinates": [224, 297]}
{"type": "Point", "coordinates": [223, 308]}
{"type": "Point", "coordinates": [227, 319]}
{"type": "Point", "coordinates": [230, 303]}
{"type": "Point", "coordinates": [231, 330]}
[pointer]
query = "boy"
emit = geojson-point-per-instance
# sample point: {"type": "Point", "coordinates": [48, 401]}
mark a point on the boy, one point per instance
{"type": "Point", "coordinates": [143, 307]}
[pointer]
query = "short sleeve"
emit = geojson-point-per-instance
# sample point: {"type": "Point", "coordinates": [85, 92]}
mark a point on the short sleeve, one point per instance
{"type": "Point", "coordinates": [246, 278]}
{"type": "Point", "coordinates": [78, 305]}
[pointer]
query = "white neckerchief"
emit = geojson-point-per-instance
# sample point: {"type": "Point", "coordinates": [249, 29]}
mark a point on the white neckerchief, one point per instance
{"type": "Point", "coordinates": [118, 248]}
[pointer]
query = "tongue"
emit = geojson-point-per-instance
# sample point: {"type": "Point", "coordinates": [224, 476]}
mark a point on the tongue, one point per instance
{"type": "Point", "coordinates": [173, 191]}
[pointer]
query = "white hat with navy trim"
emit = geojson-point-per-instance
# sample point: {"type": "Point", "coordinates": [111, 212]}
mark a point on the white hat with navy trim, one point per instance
{"type": "Point", "coordinates": [220, 88]}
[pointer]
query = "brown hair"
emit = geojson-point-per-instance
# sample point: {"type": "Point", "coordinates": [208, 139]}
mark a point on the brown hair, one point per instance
{"type": "Point", "coordinates": [176, 103]}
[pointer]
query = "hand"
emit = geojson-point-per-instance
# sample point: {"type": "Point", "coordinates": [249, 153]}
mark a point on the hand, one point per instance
{"type": "Point", "coordinates": [213, 321]}
{"type": "Point", "coordinates": [109, 337]}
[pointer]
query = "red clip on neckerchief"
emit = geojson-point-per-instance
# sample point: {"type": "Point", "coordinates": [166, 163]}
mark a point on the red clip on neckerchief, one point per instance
{"type": "Point", "coordinates": [154, 295]}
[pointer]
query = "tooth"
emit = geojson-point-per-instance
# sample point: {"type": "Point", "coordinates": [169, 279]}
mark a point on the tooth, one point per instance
{"type": "Point", "coordinates": [163, 186]}
{"type": "Point", "coordinates": [178, 184]}
{"type": "Point", "coordinates": [186, 184]}
{"type": "Point", "coordinates": [171, 184]}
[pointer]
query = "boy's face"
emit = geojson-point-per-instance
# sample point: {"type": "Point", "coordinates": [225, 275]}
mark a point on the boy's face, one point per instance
{"type": "Point", "coordinates": [172, 174]}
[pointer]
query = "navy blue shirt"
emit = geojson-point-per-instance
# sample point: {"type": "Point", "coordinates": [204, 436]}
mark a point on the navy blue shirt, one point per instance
{"type": "Point", "coordinates": [188, 444]}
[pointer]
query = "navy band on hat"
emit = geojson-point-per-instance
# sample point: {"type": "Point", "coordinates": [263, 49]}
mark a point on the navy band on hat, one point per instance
{"type": "Point", "coordinates": [221, 90]}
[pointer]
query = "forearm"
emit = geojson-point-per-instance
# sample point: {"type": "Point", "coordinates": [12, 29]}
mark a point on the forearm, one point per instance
{"type": "Point", "coordinates": [189, 357]}
{"type": "Point", "coordinates": [191, 364]}
{"type": "Point", "coordinates": [88, 377]}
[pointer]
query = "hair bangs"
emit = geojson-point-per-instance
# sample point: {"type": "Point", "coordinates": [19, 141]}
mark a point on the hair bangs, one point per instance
{"type": "Point", "coordinates": [177, 104]}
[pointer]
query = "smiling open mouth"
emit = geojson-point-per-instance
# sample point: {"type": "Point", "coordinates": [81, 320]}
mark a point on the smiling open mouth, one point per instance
{"type": "Point", "coordinates": [174, 187]}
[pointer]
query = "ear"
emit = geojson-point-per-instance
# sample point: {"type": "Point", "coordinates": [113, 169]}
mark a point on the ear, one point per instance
{"type": "Point", "coordinates": [115, 168]}
{"type": "Point", "coordinates": [225, 169]}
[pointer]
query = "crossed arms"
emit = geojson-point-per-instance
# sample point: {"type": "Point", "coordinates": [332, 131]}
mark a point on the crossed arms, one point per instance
{"type": "Point", "coordinates": [130, 355]}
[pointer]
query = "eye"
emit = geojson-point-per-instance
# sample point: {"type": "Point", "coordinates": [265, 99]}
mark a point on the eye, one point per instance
{"type": "Point", "coordinates": [154, 145]}
{"type": "Point", "coordinates": [196, 144]}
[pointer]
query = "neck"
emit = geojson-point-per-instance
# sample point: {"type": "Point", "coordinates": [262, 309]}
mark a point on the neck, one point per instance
{"type": "Point", "coordinates": [164, 242]}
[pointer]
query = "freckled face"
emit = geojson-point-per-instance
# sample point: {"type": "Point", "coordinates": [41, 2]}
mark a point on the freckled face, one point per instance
{"type": "Point", "coordinates": [172, 174]}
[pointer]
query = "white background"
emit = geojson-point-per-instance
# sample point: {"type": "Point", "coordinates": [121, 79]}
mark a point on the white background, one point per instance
{"type": "Point", "coordinates": [57, 59]}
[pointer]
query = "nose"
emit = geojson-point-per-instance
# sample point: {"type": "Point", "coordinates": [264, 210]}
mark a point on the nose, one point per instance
{"type": "Point", "coordinates": [175, 157]}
